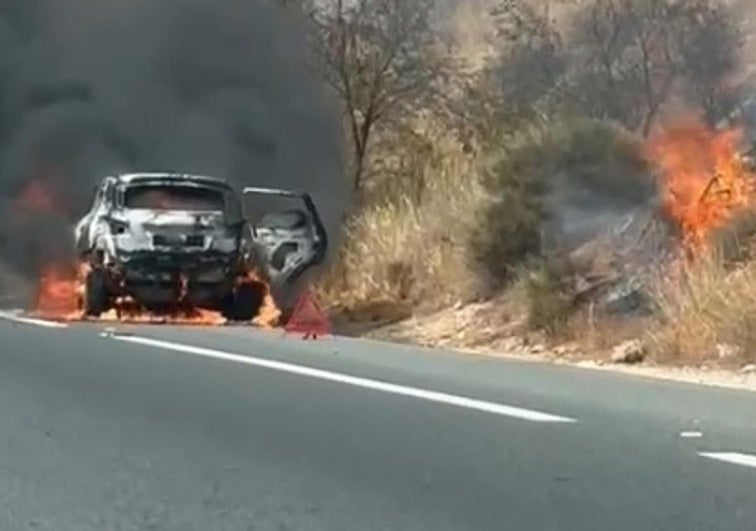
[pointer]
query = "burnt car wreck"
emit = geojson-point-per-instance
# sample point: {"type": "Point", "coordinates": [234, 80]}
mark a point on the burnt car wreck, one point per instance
{"type": "Point", "coordinates": [171, 241]}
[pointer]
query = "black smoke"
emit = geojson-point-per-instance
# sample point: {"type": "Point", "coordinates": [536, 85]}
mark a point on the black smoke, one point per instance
{"type": "Point", "coordinates": [93, 87]}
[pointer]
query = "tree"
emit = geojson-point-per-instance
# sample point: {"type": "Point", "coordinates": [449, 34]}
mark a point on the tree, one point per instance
{"type": "Point", "coordinates": [651, 23]}
{"type": "Point", "coordinates": [532, 60]}
{"type": "Point", "coordinates": [634, 55]}
{"type": "Point", "coordinates": [377, 55]}
{"type": "Point", "coordinates": [604, 81]}
{"type": "Point", "coordinates": [708, 40]}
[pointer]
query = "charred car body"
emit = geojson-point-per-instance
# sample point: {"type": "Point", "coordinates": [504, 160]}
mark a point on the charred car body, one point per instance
{"type": "Point", "coordinates": [167, 240]}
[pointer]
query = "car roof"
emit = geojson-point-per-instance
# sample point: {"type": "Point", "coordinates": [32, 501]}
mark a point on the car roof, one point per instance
{"type": "Point", "coordinates": [136, 178]}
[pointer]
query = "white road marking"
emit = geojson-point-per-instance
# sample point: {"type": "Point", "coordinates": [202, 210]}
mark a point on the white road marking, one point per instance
{"type": "Point", "coordinates": [691, 434]}
{"type": "Point", "coordinates": [423, 394]}
{"type": "Point", "coordinates": [18, 318]}
{"type": "Point", "coordinates": [732, 457]}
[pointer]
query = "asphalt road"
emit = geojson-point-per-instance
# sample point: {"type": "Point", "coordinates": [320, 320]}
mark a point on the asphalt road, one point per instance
{"type": "Point", "coordinates": [164, 428]}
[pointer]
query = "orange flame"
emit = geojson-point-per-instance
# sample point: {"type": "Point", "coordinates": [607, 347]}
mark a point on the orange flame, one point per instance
{"type": "Point", "coordinates": [704, 180]}
{"type": "Point", "coordinates": [127, 311]}
{"type": "Point", "coordinates": [59, 293]}
{"type": "Point", "coordinates": [269, 314]}
{"type": "Point", "coordinates": [60, 296]}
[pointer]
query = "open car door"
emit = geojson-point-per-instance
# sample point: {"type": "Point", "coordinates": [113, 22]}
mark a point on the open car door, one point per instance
{"type": "Point", "coordinates": [289, 237]}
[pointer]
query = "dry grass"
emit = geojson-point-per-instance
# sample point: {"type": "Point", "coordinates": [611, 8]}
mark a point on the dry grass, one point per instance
{"type": "Point", "coordinates": [407, 247]}
{"type": "Point", "coordinates": [704, 307]}
{"type": "Point", "coordinates": [550, 301]}
{"type": "Point", "coordinates": [597, 334]}
{"type": "Point", "coordinates": [443, 224]}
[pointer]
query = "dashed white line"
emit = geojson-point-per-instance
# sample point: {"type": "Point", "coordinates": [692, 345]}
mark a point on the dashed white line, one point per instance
{"type": "Point", "coordinates": [422, 394]}
{"type": "Point", "coordinates": [18, 318]}
{"type": "Point", "coordinates": [734, 458]}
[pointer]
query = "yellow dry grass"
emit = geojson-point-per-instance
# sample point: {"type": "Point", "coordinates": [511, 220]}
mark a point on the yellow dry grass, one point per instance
{"type": "Point", "coordinates": [705, 307]}
{"type": "Point", "coordinates": [408, 246]}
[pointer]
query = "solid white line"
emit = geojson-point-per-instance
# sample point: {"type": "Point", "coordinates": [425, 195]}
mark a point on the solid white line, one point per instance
{"type": "Point", "coordinates": [433, 396]}
{"type": "Point", "coordinates": [732, 457]}
{"type": "Point", "coordinates": [10, 316]}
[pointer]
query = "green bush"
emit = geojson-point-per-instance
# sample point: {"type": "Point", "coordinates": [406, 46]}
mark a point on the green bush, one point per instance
{"type": "Point", "coordinates": [604, 157]}
{"type": "Point", "coordinates": [581, 154]}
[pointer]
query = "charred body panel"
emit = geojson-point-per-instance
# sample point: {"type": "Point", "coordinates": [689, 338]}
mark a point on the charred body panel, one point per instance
{"type": "Point", "coordinates": [288, 237]}
{"type": "Point", "coordinates": [168, 239]}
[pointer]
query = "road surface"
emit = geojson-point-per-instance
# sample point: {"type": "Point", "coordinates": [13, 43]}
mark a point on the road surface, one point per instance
{"type": "Point", "coordinates": [167, 428]}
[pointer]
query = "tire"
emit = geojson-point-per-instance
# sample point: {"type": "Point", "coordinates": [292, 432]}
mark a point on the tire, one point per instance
{"type": "Point", "coordinates": [96, 299]}
{"type": "Point", "coordinates": [247, 300]}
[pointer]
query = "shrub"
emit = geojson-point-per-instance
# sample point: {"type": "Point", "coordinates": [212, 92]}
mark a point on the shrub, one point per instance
{"type": "Point", "coordinates": [538, 173]}
{"type": "Point", "coordinates": [441, 224]}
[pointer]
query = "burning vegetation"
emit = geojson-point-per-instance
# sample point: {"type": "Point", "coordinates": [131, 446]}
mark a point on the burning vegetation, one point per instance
{"type": "Point", "coordinates": [704, 180]}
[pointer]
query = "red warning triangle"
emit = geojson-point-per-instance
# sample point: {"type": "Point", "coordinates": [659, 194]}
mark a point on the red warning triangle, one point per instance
{"type": "Point", "coordinates": [308, 319]}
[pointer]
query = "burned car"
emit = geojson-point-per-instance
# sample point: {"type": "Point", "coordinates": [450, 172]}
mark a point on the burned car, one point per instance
{"type": "Point", "coordinates": [170, 240]}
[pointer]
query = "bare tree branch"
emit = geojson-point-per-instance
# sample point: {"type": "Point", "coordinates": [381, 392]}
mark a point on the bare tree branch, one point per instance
{"type": "Point", "coordinates": [379, 64]}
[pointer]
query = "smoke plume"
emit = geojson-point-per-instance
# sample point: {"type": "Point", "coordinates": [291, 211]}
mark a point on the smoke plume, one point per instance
{"type": "Point", "coordinates": [93, 87]}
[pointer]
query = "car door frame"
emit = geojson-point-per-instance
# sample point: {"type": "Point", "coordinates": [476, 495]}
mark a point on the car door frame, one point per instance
{"type": "Point", "coordinates": [320, 236]}
{"type": "Point", "coordinates": [88, 226]}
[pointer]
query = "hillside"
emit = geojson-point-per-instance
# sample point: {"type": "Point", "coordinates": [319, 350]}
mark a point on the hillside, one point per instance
{"type": "Point", "coordinates": [536, 203]}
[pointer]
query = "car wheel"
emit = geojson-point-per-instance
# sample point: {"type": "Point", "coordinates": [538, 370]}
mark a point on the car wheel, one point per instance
{"type": "Point", "coordinates": [248, 299]}
{"type": "Point", "coordinates": [96, 293]}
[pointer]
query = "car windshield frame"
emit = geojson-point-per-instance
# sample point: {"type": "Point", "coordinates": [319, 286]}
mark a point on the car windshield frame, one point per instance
{"type": "Point", "coordinates": [216, 203]}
